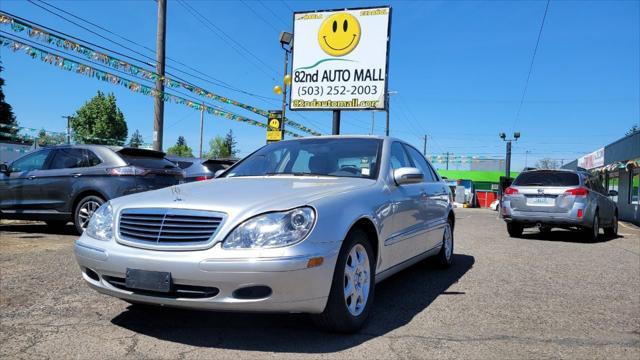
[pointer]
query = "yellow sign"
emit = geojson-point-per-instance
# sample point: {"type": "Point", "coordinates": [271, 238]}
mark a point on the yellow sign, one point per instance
{"type": "Point", "coordinates": [274, 124]}
{"type": "Point", "coordinates": [274, 135]}
{"type": "Point", "coordinates": [339, 34]}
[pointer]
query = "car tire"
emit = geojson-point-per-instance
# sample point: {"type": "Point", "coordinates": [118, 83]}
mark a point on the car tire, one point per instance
{"type": "Point", "coordinates": [445, 256]}
{"type": "Point", "coordinates": [612, 231]}
{"type": "Point", "coordinates": [342, 313]}
{"type": "Point", "coordinates": [83, 211]}
{"type": "Point", "coordinates": [515, 229]}
{"type": "Point", "coordinates": [591, 232]}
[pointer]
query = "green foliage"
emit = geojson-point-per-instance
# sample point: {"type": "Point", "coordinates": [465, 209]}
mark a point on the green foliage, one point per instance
{"type": "Point", "coordinates": [634, 129]}
{"type": "Point", "coordinates": [547, 164]}
{"type": "Point", "coordinates": [100, 121]}
{"type": "Point", "coordinates": [136, 139]}
{"type": "Point", "coordinates": [223, 147]}
{"type": "Point", "coordinates": [45, 139]}
{"type": "Point", "coordinates": [180, 148]}
{"type": "Point", "coordinates": [6, 117]}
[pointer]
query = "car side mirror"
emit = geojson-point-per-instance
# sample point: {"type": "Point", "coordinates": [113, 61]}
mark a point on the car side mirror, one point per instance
{"type": "Point", "coordinates": [4, 168]}
{"type": "Point", "coordinates": [218, 173]}
{"type": "Point", "coordinates": [407, 175]}
{"type": "Point", "coordinates": [613, 193]}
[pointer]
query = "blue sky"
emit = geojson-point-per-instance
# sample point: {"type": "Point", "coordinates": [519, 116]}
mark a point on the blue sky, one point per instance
{"type": "Point", "coordinates": [459, 68]}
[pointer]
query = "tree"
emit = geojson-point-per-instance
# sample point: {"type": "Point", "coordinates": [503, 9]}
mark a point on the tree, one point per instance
{"type": "Point", "coordinates": [136, 139]}
{"type": "Point", "coordinates": [100, 121]}
{"type": "Point", "coordinates": [223, 147]}
{"type": "Point", "coordinates": [48, 139]}
{"type": "Point", "coordinates": [634, 129]}
{"type": "Point", "coordinates": [180, 148]}
{"type": "Point", "coordinates": [10, 129]}
{"type": "Point", "coordinates": [548, 164]}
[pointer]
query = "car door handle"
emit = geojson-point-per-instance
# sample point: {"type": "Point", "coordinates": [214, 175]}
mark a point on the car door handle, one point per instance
{"type": "Point", "coordinates": [76, 175]}
{"type": "Point", "coordinates": [31, 177]}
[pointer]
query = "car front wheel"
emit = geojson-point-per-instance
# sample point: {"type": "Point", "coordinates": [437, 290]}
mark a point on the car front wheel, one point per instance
{"type": "Point", "coordinates": [352, 289]}
{"type": "Point", "coordinates": [83, 211]}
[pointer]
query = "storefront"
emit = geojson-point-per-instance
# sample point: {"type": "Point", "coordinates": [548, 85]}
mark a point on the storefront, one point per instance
{"type": "Point", "coordinates": [618, 166]}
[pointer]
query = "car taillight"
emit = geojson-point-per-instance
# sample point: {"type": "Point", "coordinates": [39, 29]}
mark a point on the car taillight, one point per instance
{"type": "Point", "coordinates": [200, 178]}
{"type": "Point", "coordinates": [127, 171]}
{"type": "Point", "coordinates": [577, 192]}
{"type": "Point", "coordinates": [510, 191]}
{"type": "Point", "coordinates": [580, 213]}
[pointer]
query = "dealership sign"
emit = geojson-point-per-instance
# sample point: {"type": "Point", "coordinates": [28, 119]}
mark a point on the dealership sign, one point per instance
{"type": "Point", "coordinates": [340, 59]}
{"type": "Point", "coordinates": [593, 160]}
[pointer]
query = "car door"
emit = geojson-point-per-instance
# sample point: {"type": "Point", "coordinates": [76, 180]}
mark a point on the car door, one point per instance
{"type": "Point", "coordinates": [436, 205]}
{"type": "Point", "coordinates": [410, 211]}
{"type": "Point", "coordinates": [607, 207]}
{"type": "Point", "coordinates": [20, 191]}
{"type": "Point", "coordinates": [66, 168]}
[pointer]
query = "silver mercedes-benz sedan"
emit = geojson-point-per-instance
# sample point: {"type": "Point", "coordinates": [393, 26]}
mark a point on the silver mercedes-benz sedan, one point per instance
{"type": "Point", "coordinates": [305, 225]}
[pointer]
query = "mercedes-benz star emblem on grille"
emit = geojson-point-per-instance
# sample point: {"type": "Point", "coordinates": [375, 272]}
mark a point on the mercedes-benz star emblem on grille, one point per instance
{"type": "Point", "coordinates": [176, 193]}
{"type": "Point", "coordinates": [540, 191]}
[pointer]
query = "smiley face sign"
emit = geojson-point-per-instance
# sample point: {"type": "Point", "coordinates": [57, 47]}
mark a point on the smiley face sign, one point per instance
{"type": "Point", "coordinates": [274, 124]}
{"type": "Point", "coordinates": [340, 59]}
{"type": "Point", "coordinates": [339, 34]}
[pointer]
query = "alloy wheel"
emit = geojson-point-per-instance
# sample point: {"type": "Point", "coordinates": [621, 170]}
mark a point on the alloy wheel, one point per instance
{"type": "Point", "coordinates": [86, 210]}
{"type": "Point", "coordinates": [357, 280]}
{"type": "Point", "coordinates": [448, 242]}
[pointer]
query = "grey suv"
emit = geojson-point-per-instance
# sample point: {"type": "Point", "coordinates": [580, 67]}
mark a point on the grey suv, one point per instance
{"type": "Point", "coordinates": [559, 198]}
{"type": "Point", "coordinates": [68, 183]}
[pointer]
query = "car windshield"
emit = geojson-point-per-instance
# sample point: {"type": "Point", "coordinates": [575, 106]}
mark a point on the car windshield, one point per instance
{"type": "Point", "coordinates": [547, 178]}
{"type": "Point", "coordinates": [329, 157]}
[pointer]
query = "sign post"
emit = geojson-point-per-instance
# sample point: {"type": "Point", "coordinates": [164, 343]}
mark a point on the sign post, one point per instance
{"type": "Point", "coordinates": [274, 126]}
{"type": "Point", "coordinates": [340, 60]}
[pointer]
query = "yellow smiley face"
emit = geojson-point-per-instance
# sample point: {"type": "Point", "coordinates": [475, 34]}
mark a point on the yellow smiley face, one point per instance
{"type": "Point", "coordinates": [339, 34]}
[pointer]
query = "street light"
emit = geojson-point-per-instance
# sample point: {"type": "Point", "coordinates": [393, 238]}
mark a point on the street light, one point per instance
{"type": "Point", "coordinates": [503, 136]}
{"type": "Point", "coordinates": [286, 41]}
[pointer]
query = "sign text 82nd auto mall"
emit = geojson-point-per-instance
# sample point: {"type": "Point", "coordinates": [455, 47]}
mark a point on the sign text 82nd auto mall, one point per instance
{"type": "Point", "coordinates": [340, 59]}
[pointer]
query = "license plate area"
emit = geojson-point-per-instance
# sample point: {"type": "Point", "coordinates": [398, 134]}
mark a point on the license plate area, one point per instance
{"type": "Point", "coordinates": [541, 201]}
{"type": "Point", "coordinates": [158, 281]}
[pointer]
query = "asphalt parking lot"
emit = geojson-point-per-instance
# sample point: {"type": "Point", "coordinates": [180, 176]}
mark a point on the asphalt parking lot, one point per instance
{"type": "Point", "coordinates": [534, 297]}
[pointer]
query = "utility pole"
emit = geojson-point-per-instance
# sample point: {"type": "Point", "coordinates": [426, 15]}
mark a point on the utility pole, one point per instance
{"type": "Point", "coordinates": [201, 127]}
{"type": "Point", "coordinates": [447, 154]}
{"type": "Point", "coordinates": [388, 102]}
{"type": "Point", "coordinates": [373, 121]}
{"type": "Point", "coordinates": [507, 166]}
{"type": "Point", "coordinates": [424, 147]}
{"type": "Point", "coordinates": [158, 108]}
{"type": "Point", "coordinates": [335, 129]}
{"type": "Point", "coordinates": [68, 128]}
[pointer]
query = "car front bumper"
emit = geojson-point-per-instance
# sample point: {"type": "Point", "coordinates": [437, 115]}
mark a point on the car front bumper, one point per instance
{"type": "Point", "coordinates": [294, 286]}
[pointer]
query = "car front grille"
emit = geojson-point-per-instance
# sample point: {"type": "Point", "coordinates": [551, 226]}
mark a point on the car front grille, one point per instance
{"type": "Point", "coordinates": [168, 228]}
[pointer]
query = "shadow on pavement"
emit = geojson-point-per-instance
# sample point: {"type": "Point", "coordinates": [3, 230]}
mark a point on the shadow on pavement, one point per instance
{"type": "Point", "coordinates": [38, 228]}
{"type": "Point", "coordinates": [565, 236]}
{"type": "Point", "coordinates": [397, 301]}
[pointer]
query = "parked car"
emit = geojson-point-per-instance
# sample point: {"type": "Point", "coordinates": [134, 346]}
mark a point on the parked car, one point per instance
{"type": "Point", "coordinates": [559, 198]}
{"type": "Point", "coordinates": [68, 183]}
{"type": "Point", "coordinates": [306, 225]}
{"type": "Point", "coordinates": [196, 169]}
{"type": "Point", "coordinates": [495, 205]}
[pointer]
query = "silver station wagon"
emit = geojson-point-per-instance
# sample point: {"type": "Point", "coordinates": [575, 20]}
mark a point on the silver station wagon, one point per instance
{"type": "Point", "coordinates": [301, 226]}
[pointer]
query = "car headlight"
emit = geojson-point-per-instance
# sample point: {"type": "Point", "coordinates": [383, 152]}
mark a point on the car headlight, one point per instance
{"type": "Point", "coordinates": [272, 230]}
{"type": "Point", "coordinates": [101, 223]}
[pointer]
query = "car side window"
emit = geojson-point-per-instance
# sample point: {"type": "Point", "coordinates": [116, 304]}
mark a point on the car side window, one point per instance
{"type": "Point", "coordinates": [92, 158]}
{"type": "Point", "coordinates": [398, 156]}
{"type": "Point", "coordinates": [420, 162]}
{"type": "Point", "coordinates": [69, 158]}
{"type": "Point", "coordinates": [35, 161]}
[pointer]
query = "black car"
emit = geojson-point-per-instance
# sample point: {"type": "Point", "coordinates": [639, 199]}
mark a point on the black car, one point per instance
{"type": "Point", "coordinates": [68, 183]}
{"type": "Point", "coordinates": [196, 169]}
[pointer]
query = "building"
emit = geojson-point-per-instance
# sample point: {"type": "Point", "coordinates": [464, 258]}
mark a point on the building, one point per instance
{"type": "Point", "coordinates": [485, 184]}
{"type": "Point", "coordinates": [618, 166]}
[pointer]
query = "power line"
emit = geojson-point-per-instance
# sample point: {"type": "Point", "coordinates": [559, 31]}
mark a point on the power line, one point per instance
{"type": "Point", "coordinates": [212, 80]}
{"type": "Point", "coordinates": [533, 57]}
{"type": "Point", "coordinates": [217, 31]}
{"type": "Point", "coordinates": [273, 13]}
{"type": "Point", "coordinates": [260, 16]}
